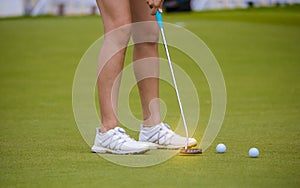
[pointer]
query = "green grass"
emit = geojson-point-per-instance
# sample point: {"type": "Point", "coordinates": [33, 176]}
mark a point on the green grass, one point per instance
{"type": "Point", "coordinates": [258, 51]}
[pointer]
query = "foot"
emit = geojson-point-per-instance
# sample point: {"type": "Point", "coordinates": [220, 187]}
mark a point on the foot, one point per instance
{"type": "Point", "coordinates": [116, 141]}
{"type": "Point", "coordinates": [162, 137]}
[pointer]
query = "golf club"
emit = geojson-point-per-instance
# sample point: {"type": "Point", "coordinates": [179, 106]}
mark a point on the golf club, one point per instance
{"type": "Point", "coordinates": [186, 150]}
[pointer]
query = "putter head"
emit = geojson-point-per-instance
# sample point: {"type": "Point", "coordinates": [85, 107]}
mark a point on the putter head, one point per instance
{"type": "Point", "coordinates": [191, 151]}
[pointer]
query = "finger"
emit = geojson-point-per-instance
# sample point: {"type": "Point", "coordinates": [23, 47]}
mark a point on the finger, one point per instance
{"type": "Point", "coordinates": [150, 3]}
{"type": "Point", "coordinates": [160, 6]}
{"type": "Point", "coordinates": [153, 11]}
{"type": "Point", "coordinates": [157, 3]}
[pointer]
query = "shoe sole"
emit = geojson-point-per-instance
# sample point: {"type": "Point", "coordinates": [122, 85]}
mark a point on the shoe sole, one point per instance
{"type": "Point", "coordinates": [171, 147]}
{"type": "Point", "coordinates": [98, 149]}
{"type": "Point", "coordinates": [174, 147]}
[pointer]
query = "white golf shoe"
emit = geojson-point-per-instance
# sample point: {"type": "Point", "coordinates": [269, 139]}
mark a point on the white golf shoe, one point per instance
{"type": "Point", "coordinates": [116, 141]}
{"type": "Point", "coordinates": [162, 137]}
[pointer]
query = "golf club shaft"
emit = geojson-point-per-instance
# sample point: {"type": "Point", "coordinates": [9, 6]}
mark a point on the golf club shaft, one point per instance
{"type": "Point", "coordinates": [160, 24]}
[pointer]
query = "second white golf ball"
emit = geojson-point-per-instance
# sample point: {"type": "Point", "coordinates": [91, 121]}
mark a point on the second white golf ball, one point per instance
{"type": "Point", "coordinates": [221, 148]}
{"type": "Point", "coordinates": [253, 152]}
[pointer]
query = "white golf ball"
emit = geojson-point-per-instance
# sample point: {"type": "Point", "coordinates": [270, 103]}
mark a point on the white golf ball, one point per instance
{"type": "Point", "coordinates": [221, 148]}
{"type": "Point", "coordinates": [253, 152]}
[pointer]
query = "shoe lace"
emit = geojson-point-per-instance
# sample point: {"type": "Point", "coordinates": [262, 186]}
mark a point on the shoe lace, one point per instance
{"type": "Point", "coordinates": [122, 136]}
{"type": "Point", "coordinates": [165, 134]}
{"type": "Point", "coordinates": [118, 138]}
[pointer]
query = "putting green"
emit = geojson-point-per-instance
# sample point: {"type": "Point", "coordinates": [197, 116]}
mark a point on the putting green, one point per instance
{"type": "Point", "coordinates": [258, 52]}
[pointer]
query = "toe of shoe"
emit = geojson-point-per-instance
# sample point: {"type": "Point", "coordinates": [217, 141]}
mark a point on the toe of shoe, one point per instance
{"type": "Point", "coordinates": [192, 141]}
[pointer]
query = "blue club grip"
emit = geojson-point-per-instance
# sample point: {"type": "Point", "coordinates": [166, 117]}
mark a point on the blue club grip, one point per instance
{"type": "Point", "coordinates": [159, 19]}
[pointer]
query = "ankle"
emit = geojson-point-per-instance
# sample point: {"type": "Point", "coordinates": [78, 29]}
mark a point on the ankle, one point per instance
{"type": "Point", "coordinates": [151, 125]}
{"type": "Point", "coordinates": [105, 127]}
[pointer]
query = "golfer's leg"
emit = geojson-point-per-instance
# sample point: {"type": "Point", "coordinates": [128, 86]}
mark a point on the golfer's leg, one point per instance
{"type": "Point", "coordinates": [149, 67]}
{"type": "Point", "coordinates": [115, 13]}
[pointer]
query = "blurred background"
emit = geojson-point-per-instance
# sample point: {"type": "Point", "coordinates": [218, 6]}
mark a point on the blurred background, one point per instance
{"type": "Point", "coordinates": [9, 8]}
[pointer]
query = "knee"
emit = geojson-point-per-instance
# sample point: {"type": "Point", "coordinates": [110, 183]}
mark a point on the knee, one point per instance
{"type": "Point", "coordinates": [119, 35]}
{"type": "Point", "coordinates": [145, 32]}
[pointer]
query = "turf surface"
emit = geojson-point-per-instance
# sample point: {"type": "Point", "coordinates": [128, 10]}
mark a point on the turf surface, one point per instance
{"type": "Point", "coordinates": [258, 51]}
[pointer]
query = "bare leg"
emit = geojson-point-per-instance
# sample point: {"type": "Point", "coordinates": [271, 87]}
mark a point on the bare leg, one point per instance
{"type": "Point", "coordinates": [148, 87]}
{"type": "Point", "coordinates": [115, 13]}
